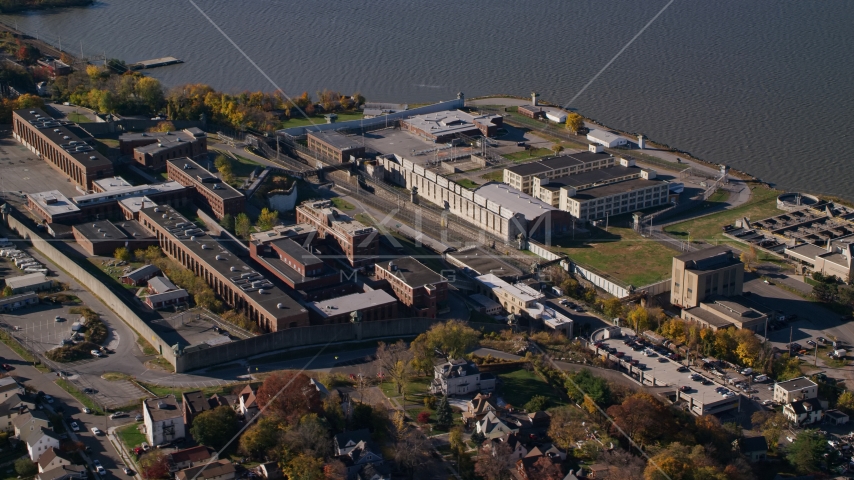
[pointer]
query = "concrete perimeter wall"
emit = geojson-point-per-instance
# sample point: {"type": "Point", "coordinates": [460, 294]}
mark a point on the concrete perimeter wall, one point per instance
{"type": "Point", "coordinates": [376, 121]}
{"type": "Point", "coordinates": [116, 304]}
{"type": "Point", "coordinates": [132, 124]}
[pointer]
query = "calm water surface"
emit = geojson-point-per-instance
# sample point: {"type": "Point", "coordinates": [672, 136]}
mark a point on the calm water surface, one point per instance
{"type": "Point", "coordinates": [762, 86]}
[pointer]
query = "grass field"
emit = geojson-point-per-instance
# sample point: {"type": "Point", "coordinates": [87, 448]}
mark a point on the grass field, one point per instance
{"type": "Point", "coordinates": [528, 154]}
{"type": "Point", "coordinates": [496, 176]}
{"type": "Point", "coordinates": [131, 436]}
{"type": "Point", "coordinates": [342, 204]}
{"type": "Point", "coordinates": [207, 391]}
{"type": "Point", "coordinates": [520, 385]}
{"type": "Point", "coordinates": [763, 204]}
{"type": "Point", "coordinates": [116, 272]}
{"type": "Point", "coordinates": [77, 117]}
{"type": "Point", "coordinates": [243, 167]}
{"type": "Point", "coordinates": [416, 386]}
{"type": "Point", "coordinates": [466, 183]}
{"type": "Point", "coordinates": [318, 119]}
{"type": "Point", "coordinates": [623, 253]}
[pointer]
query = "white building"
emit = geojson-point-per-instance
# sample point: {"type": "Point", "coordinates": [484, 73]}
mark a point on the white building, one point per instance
{"type": "Point", "coordinates": [164, 420]}
{"type": "Point", "coordinates": [518, 298]}
{"type": "Point", "coordinates": [557, 116]}
{"type": "Point", "coordinates": [801, 388]}
{"type": "Point", "coordinates": [460, 377]}
{"type": "Point", "coordinates": [606, 139]}
{"type": "Point", "coordinates": [39, 441]}
{"type": "Point", "coordinates": [486, 304]}
{"type": "Point", "coordinates": [805, 412]}
{"type": "Point", "coordinates": [32, 282]}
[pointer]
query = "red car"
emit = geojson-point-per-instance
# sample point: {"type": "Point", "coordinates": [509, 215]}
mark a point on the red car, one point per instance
{"type": "Point", "coordinates": [619, 354]}
{"type": "Point", "coordinates": [7, 367]}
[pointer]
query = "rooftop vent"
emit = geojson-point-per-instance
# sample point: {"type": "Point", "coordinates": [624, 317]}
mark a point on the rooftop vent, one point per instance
{"type": "Point", "coordinates": [193, 238]}
{"type": "Point", "coordinates": [233, 269]}
{"type": "Point", "coordinates": [156, 209]}
{"type": "Point", "coordinates": [280, 305]}
{"type": "Point", "coordinates": [219, 257]}
{"type": "Point", "coordinates": [66, 137]}
{"type": "Point", "coordinates": [261, 291]}
{"type": "Point", "coordinates": [162, 406]}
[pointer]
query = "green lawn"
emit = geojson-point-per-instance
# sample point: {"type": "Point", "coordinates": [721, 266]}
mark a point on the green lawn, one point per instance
{"type": "Point", "coordinates": [528, 154]}
{"type": "Point", "coordinates": [416, 386]}
{"type": "Point", "coordinates": [22, 352]}
{"type": "Point", "coordinates": [208, 391]}
{"type": "Point", "coordinates": [496, 176]}
{"type": "Point", "coordinates": [342, 204]}
{"type": "Point", "coordinates": [77, 118]}
{"type": "Point", "coordinates": [466, 183]}
{"type": "Point", "coordinates": [80, 396]}
{"type": "Point", "coordinates": [244, 167]}
{"type": "Point", "coordinates": [131, 436]}
{"type": "Point", "coordinates": [622, 253]}
{"type": "Point", "coordinates": [520, 385]}
{"type": "Point", "coordinates": [763, 204]}
{"type": "Point", "coordinates": [116, 272]}
{"type": "Point", "coordinates": [319, 119]}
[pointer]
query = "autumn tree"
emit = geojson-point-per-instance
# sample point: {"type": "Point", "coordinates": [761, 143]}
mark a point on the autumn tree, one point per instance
{"type": "Point", "coordinates": [333, 411]}
{"type": "Point", "coordinates": [422, 355]}
{"type": "Point", "coordinates": [639, 319]}
{"type": "Point", "coordinates": [493, 461]}
{"type": "Point", "coordinates": [310, 435]}
{"type": "Point", "coordinates": [242, 225]}
{"type": "Point", "coordinates": [304, 467]}
{"type": "Point", "coordinates": [557, 148]}
{"type": "Point", "coordinates": [164, 126]}
{"type": "Point", "coordinates": [215, 427]}
{"type": "Point", "coordinates": [223, 166]}
{"type": "Point", "coordinates": [680, 461]}
{"type": "Point", "coordinates": [546, 469]}
{"type": "Point", "coordinates": [227, 222]}
{"type": "Point", "coordinates": [574, 122]}
{"type": "Point", "coordinates": [749, 257]}
{"type": "Point", "coordinates": [154, 465]}
{"type": "Point", "coordinates": [394, 360]}
{"type": "Point", "coordinates": [288, 394]}
{"type": "Point", "coordinates": [122, 254]}
{"type": "Point", "coordinates": [7, 291]}
{"type": "Point", "coordinates": [771, 424]}
{"type": "Point", "coordinates": [566, 427]}
{"type": "Point", "coordinates": [412, 452]}
{"type": "Point", "coordinates": [260, 438]}
{"type": "Point", "coordinates": [150, 93]}
{"type": "Point", "coordinates": [629, 466]}
{"type": "Point", "coordinates": [452, 338]}
{"type": "Point", "coordinates": [612, 307]}
{"type": "Point", "coordinates": [805, 453]}
{"type": "Point", "coordinates": [641, 417]}
{"type": "Point", "coordinates": [335, 470]}
{"type": "Point", "coordinates": [267, 219]}
{"type": "Point", "coordinates": [845, 401]}
{"type": "Point", "coordinates": [748, 346]}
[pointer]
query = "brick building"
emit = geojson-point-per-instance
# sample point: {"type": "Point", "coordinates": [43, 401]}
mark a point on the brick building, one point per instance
{"type": "Point", "coordinates": [442, 127]}
{"type": "Point", "coordinates": [153, 149]}
{"type": "Point", "coordinates": [61, 145]}
{"type": "Point", "coordinates": [103, 238]}
{"type": "Point", "coordinates": [294, 264]}
{"type": "Point", "coordinates": [235, 282]}
{"type": "Point", "coordinates": [531, 111]}
{"type": "Point", "coordinates": [424, 291]}
{"type": "Point", "coordinates": [331, 145]}
{"type": "Point", "coordinates": [358, 242]}
{"type": "Point", "coordinates": [219, 196]}
{"type": "Point", "coordinates": [371, 305]}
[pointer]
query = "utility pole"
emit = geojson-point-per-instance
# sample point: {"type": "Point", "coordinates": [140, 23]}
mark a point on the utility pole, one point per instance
{"type": "Point", "coordinates": [815, 355]}
{"type": "Point", "coordinates": [790, 338]}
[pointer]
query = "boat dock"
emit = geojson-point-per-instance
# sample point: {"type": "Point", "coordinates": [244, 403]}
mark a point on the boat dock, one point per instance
{"type": "Point", "coordinates": [155, 62]}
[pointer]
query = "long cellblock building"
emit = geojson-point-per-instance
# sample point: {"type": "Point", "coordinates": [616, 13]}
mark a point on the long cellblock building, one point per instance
{"type": "Point", "coordinates": [60, 144]}
{"type": "Point", "coordinates": [210, 190]}
{"type": "Point", "coordinates": [358, 242]}
{"type": "Point", "coordinates": [238, 284]}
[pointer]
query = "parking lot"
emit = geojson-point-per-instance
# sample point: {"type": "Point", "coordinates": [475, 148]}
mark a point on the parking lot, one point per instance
{"type": "Point", "coordinates": [38, 328]}
{"type": "Point", "coordinates": [24, 171]}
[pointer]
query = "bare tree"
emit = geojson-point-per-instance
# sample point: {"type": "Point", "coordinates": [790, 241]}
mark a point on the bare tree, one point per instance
{"type": "Point", "coordinates": [412, 453]}
{"type": "Point", "coordinates": [493, 461]}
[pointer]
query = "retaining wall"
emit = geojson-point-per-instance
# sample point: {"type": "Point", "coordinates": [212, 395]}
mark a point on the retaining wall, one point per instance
{"type": "Point", "coordinates": [96, 286]}
{"type": "Point", "coordinates": [125, 125]}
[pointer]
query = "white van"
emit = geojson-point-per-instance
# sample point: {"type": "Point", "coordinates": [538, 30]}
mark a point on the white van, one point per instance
{"type": "Point", "coordinates": [760, 378]}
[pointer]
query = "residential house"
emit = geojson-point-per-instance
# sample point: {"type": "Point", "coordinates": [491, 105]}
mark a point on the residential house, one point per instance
{"type": "Point", "coordinates": [52, 459]}
{"type": "Point", "coordinates": [12, 407]}
{"type": "Point", "coordinates": [218, 470]}
{"type": "Point", "coordinates": [754, 448]}
{"type": "Point", "coordinates": [800, 388]}
{"type": "Point", "coordinates": [9, 386]}
{"type": "Point", "coordinates": [65, 472]}
{"type": "Point", "coordinates": [192, 404]}
{"type": "Point", "coordinates": [189, 457]}
{"type": "Point", "coordinates": [524, 466]}
{"type": "Point", "coordinates": [164, 421]}
{"type": "Point", "coordinates": [363, 454]}
{"type": "Point", "coordinates": [491, 426]}
{"type": "Point", "coordinates": [836, 417]}
{"type": "Point", "coordinates": [479, 406]}
{"type": "Point", "coordinates": [218, 400]}
{"type": "Point", "coordinates": [347, 441]}
{"type": "Point", "coordinates": [247, 403]}
{"type": "Point", "coordinates": [517, 449]}
{"type": "Point", "coordinates": [373, 471]}
{"type": "Point", "coordinates": [30, 421]}
{"type": "Point", "coordinates": [38, 442]}
{"type": "Point", "coordinates": [805, 412]}
{"type": "Point", "coordinates": [460, 377]}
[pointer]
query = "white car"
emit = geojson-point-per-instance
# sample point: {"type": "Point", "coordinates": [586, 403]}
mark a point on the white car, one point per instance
{"type": "Point", "coordinates": [100, 468]}
{"type": "Point", "coordinates": [75, 427]}
{"type": "Point", "coordinates": [95, 353]}
{"type": "Point", "coordinates": [760, 378]}
{"type": "Point", "coordinates": [747, 371]}
{"type": "Point", "coordinates": [790, 439]}
{"type": "Point", "coordinates": [96, 431]}
{"type": "Point", "coordinates": [87, 410]}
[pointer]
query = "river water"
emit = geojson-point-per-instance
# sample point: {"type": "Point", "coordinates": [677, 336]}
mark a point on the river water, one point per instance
{"type": "Point", "coordinates": [764, 87]}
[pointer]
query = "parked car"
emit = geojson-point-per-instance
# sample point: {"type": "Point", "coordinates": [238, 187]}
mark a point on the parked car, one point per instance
{"type": "Point", "coordinates": [683, 368]}
{"type": "Point", "coordinates": [75, 427]}
{"type": "Point", "coordinates": [138, 417]}
{"type": "Point", "coordinates": [100, 468]}
{"type": "Point", "coordinates": [7, 367]}
{"type": "Point", "coordinates": [48, 398]}
{"type": "Point", "coordinates": [90, 391]}
{"type": "Point", "coordinates": [127, 471]}
{"type": "Point", "coordinates": [145, 447]}
{"type": "Point", "coordinates": [118, 415]}
{"type": "Point", "coordinates": [96, 431]}
{"type": "Point", "coordinates": [760, 378]}
{"type": "Point", "coordinates": [821, 340]}
{"type": "Point", "coordinates": [747, 371]}
{"type": "Point", "coordinates": [811, 343]}
{"type": "Point", "coordinates": [87, 410]}
{"type": "Point", "coordinates": [95, 353]}
{"type": "Point", "coordinates": [58, 318]}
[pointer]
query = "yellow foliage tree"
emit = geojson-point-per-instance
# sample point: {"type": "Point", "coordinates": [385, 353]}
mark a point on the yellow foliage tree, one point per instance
{"type": "Point", "coordinates": [574, 122]}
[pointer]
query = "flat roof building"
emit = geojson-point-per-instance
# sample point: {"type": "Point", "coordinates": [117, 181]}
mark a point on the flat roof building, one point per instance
{"type": "Point", "coordinates": [210, 190]}
{"type": "Point", "coordinates": [796, 389]}
{"type": "Point", "coordinates": [32, 282]}
{"type": "Point", "coordinates": [103, 238]}
{"type": "Point", "coordinates": [53, 207]}
{"type": "Point", "coordinates": [240, 286]}
{"type": "Point", "coordinates": [153, 149]}
{"type": "Point", "coordinates": [485, 304]}
{"type": "Point", "coordinates": [294, 264]}
{"type": "Point", "coordinates": [58, 143]}
{"type": "Point", "coordinates": [537, 218]}
{"type": "Point", "coordinates": [424, 291]}
{"type": "Point", "coordinates": [334, 146]}
{"type": "Point", "coordinates": [515, 298]}
{"type": "Point", "coordinates": [521, 176]}
{"type": "Point", "coordinates": [531, 111]}
{"type": "Point", "coordinates": [718, 312]}
{"type": "Point", "coordinates": [712, 271]}
{"type": "Point", "coordinates": [8, 304]}
{"type": "Point", "coordinates": [358, 242]}
{"type": "Point", "coordinates": [442, 127]}
{"type": "Point", "coordinates": [368, 306]}
{"type": "Point", "coordinates": [835, 259]}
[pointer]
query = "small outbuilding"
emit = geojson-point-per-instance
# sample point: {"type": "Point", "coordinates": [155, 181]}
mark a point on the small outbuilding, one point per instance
{"type": "Point", "coordinates": [606, 139]}
{"type": "Point", "coordinates": [557, 116]}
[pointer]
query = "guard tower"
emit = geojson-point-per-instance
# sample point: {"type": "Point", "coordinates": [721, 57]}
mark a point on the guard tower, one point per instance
{"type": "Point", "coordinates": [534, 97]}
